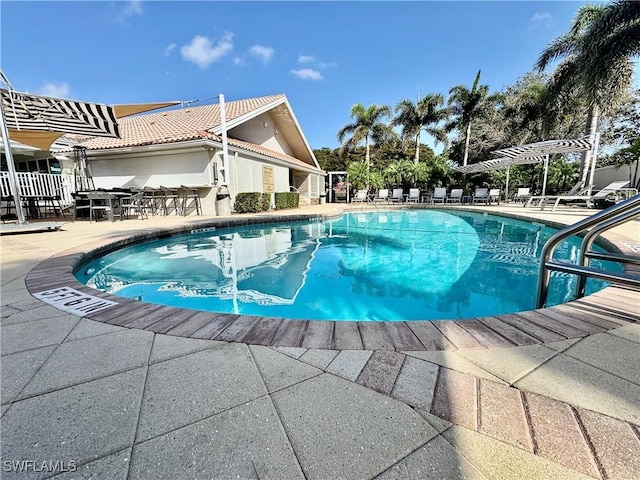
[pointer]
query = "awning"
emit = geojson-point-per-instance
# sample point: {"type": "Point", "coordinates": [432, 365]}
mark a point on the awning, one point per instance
{"type": "Point", "coordinates": [132, 109]}
{"type": "Point", "coordinates": [24, 111]}
{"type": "Point", "coordinates": [499, 163]}
{"type": "Point", "coordinates": [548, 147]}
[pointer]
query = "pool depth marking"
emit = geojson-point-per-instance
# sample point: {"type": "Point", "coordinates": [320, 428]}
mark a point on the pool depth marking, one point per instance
{"type": "Point", "coordinates": [74, 301]}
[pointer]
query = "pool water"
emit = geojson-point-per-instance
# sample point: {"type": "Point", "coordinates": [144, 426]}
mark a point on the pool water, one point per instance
{"type": "Point", "coordinates": [379, 266]}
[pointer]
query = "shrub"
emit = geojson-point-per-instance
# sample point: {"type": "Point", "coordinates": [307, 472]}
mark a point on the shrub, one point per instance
{"type": "Point", "coordinates": [287, 200]}
{"type": "Point", "coordinates": [252, 202]}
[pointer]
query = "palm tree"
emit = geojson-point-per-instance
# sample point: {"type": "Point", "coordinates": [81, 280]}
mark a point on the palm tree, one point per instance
{"type": "Point", "coordinates": [465, 105]}
{"type": "Point", "coordinates": [367, 126]}
{"type": "Point", "coordinates": [426, 115]}
{"type": "Point", "coordinates": [595, 60]}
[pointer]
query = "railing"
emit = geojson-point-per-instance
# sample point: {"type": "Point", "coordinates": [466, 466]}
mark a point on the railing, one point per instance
{"type": "Point", "coordinates": [602, 221]}
{"type": "Point", "coordinates": [40, 185]}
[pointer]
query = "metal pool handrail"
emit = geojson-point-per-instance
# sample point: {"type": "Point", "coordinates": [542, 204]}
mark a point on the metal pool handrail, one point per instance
{"type": "Point", "coordinates": [604, 220]}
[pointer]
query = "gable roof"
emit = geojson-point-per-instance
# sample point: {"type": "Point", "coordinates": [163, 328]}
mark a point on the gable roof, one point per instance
{"type": "Point", "coordinates": [192, 123]}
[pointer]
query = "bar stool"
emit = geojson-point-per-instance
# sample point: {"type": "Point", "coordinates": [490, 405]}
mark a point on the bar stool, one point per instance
{"type": "Point", "coordinates": [190, 193]}
{"type": "Point", "coordinates": [170, 195]}
{"type": "Point", "coordinates": [151, 197]}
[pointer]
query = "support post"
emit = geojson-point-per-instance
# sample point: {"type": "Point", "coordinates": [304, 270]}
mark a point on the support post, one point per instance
{"type": "Point", "coordinates": [225, 148]}
{"type": "Point", "coordinates": [13, 184]}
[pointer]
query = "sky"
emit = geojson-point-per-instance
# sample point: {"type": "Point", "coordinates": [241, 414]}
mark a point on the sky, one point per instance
{"type": "Point", "coordinates": [324, 56]}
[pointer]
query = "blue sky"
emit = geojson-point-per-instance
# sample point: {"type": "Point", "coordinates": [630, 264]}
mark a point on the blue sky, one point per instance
{"type": "Point", "coordinates": [324, 56]}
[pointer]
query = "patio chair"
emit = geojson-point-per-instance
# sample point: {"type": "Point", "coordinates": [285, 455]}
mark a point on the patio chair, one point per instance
{"type": "Point", "coordinates": [361, 196]}
{"type": "Point", "coordinates": [494, 196]}
{"type": "Point", "coordinates": [135, 204]}
{"type": "Point", "coordinates": [383, 196]}
{"type": "Point", "coordinates": [455, 196]}
{"type": "Point", "coordinates": [522, 194]}
{"type": "Point", "coordinates": [590, 200]}
{"type": "Point", "coordinates": [439, 195]}
{"type": "Point", "coordinates": [480, 195]}
{"type": "Point", "coordinates": [414, 195]}
{"type": "Point", "coordinates": [577, 190]}
{"type": "Point", "coordinates": [396, 196]}
{"type": "Point", "coordinates": [190, 195]}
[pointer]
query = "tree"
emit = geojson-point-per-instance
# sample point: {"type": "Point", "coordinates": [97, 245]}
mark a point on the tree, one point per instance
{"type": "Point", "coordinates": [426, 115]}
{"type": "Point", "coordinates": [367, 126]}
{"type": "Point", "coordinates": [465, 105]}
{"type": "Point", "coordinates": [595, 60]}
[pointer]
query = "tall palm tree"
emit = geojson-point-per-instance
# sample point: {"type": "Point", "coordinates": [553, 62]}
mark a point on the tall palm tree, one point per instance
{"type": "Point", "coordinates": [465, 105]}
{"type": "Point", "coordinates": [367, 126]}
{"type": "Point", "coordinates": [595, 59]}
{"type": "Point", "coordinates": [426, 115]}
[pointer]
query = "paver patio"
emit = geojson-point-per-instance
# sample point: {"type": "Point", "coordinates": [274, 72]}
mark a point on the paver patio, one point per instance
{"type": "Point", "coordinates": [119, 398]}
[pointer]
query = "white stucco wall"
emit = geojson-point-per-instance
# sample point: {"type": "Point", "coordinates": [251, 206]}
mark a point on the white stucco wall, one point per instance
{"type": "Point", "coordinates": [246, 176]}
{"type": "Point", "coordinates": [262, 131]}
{"type": "Point", "coordinates": [152, 169]}
{"type": "Point", "coordinates": [605, 175]}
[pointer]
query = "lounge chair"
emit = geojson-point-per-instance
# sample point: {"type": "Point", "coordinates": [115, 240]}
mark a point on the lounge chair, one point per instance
{"type": "Point", "coordinates": [577, 189]}
{"type": "Point", "coordinates": [439, 195]}
{"type": "Point", "coordinates": [396, 197]}
{"type": "Point", "coordinates": [522, 194]}
{"type": "Point", "coordinates": [455, 196]}
{"type": "Point", "coordinates": [583, 195]}
{"type": "Point", "coordinates": [481, 195]}
{"type": "Point", "coordinates": [361, 196]}
{"type": "Point", "coordinates": [383, 196]}
{"type": "Point", "coordinates": [590, 200]}
{"type": "Point", "coordinates": [414, 195]}
{"type": "Point", "coordinates": [494, 196]}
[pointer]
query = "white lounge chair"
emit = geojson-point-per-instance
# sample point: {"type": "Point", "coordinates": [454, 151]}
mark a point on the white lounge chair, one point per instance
{"type": "Point", "coordinates": [439, 195]}
{"type": "Point", "coordinates": [590, 200]}
{"type": "Point", "coordinates": [383, 196]}
{"type": "Point", "coordinates": [582, 196]}
{"type": "Point", "coordinates": [455, 196]}
{"type": "Point", "coordinates": [396, 197]}
{"type": "Point", "coordinates": [494, 195]}
{"type": "Point", "coordinates": [577, 189]}
{"type": "Point", "coordinates": [361, 197]}
{"type": "Point", "coordinates": [522, 194]}
{"type": "Point", "coordinates": [480, 195]}
{"type": "Point", "coordinates": [414, 195]}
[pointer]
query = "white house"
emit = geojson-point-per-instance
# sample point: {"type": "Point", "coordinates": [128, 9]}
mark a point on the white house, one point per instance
{"type": "Point", "coordinates": [267, 151]}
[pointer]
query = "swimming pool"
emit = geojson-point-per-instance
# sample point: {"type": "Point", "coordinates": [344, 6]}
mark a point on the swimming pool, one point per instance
{"type": "Point", "coordinates": [378, 266]}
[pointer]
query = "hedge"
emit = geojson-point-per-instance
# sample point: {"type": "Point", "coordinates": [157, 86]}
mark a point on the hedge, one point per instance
{"type": "Point", "coordinates": [252, 202]}
{"type": "Point", "coordinates": [286, 200]}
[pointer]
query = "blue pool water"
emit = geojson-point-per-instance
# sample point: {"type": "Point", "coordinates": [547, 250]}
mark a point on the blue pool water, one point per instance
{"type": "Point", "coordinates": [382, 265]}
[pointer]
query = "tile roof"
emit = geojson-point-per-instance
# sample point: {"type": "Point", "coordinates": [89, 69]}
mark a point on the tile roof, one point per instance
{"type": "Point", "coordinates": [176, 125]}
{"type": "Point", "coordinates": [252, 147]}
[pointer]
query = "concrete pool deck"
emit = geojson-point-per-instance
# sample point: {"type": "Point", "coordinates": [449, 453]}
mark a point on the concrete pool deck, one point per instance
{"type": "Point", "coordinates": [117, 402]}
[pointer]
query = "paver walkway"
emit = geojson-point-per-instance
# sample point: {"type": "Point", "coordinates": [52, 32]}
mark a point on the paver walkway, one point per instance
{"type": "Point", "coordinates": [115, 402]}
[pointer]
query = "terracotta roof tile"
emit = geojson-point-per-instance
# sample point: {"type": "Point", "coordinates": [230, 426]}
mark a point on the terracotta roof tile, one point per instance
{"type": "Point", "coordinates": [176, 125]}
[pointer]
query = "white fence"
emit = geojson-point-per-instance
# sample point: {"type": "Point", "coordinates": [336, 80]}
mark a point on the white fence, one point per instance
{"type": "Point", "coordinates": [41, 185]}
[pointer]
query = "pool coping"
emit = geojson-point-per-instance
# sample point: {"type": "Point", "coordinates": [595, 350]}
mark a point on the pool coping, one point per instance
{"type": "Point", "coordinates": [609, 308]}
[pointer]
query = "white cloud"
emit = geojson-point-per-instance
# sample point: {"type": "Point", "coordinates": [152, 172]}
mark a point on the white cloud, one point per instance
{"type": "Point", "coordinates": [305, 59]}
{"type": "Point", "coordinates": [169, 50]}
{"type": "Point", "coordinates": [203, 53]}
{"type": "Point", "coordinates": [130, 8]}
{"type": "Point", "coordinates": [263, 53]}
{"type": "Point", "coordinates": [307, 74]}
{"type": "Point", "coordinates": [327, 64]}
{"type": "Point", "coordinates": [60, 90]}
{"type": "Point", "coordinates": [545, 19]}
{"type": "Point", "coordinates": [238, 61]}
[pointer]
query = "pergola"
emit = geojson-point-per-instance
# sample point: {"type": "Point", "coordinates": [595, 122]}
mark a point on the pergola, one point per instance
{"type": "Point", "coordinates": [534, 153]}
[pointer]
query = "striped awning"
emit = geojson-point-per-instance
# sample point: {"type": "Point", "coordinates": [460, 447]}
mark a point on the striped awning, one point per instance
{"type": "Point", "coordinates": [499, 163]}
{"type": "Point", "coordinates": [548, 147]}
{"type": "Point", "coordinates": [24, 111]}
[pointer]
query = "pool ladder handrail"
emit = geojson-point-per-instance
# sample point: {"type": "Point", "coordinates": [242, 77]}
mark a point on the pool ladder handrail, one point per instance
{"type": "Point", "coordinates": [598, 223]}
